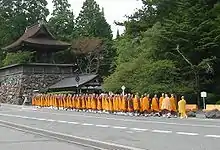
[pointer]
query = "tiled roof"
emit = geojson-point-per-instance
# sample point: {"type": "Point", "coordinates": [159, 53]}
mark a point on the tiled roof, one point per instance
{"type": "Point", "coordinates": [31, 36]}
{"type": "Point", "coordinates": [71, 82]}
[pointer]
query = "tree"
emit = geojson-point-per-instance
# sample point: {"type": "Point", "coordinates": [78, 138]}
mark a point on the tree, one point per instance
{"type": "Point", "coordinates": [193, 25]}
{"type": "Point", "coordinates": [62, 21]}
{"type": "Point", "coordinates": [91, 21]}
{"type": "Point", "coordinates": [89, 53]}
{"type": "Point", "coordinates": [16, 58]}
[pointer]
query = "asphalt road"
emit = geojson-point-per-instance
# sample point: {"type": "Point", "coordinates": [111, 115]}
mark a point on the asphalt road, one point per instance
{"type": "Point", "coordinates": [11, 139]}
{"type": "Point", "coordinates": [138, 132]}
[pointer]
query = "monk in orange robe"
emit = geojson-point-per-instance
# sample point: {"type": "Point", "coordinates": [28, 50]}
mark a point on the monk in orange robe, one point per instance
{"type": "Point", "coordinates": [154, 105]}
{"type": "Point", "coordinates": [161, 101]}
{"type": "Point", "coordinates": [173, 105]}
{"type": "Point", "coordinates": [136, 105]}
{"type": "Point", "coordinates": [166, 106]}
{"type": "Point", "coordinates": [145, 104]}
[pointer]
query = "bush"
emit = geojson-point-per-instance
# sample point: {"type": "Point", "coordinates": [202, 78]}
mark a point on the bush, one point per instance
{"type": "Point", "coordinates": [16, 58]}
{"type": "Point", "coordinates": [218, 102]}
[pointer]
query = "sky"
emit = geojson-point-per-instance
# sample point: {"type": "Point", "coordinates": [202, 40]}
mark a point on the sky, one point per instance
{"type": "Point", "coordinates": [115, 10]}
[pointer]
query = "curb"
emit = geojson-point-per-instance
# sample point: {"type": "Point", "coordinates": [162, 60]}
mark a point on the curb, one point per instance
{"type": "Point", "coordinates": [90, 143]}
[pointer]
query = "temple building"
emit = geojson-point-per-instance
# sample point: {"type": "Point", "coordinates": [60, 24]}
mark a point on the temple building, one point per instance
{"type": "Point", "coordinates": [22, 79]}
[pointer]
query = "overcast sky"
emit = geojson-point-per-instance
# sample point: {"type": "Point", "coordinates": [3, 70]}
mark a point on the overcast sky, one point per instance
{"type": "Point", "coordinates": [114, 9]}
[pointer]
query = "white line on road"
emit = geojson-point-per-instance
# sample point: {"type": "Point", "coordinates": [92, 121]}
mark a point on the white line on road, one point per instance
{"type": "Point", "coordinates": [102, 126]}
{"type": "Point", "coordinates": [73, 122]}
{"type": "Point", "coordinates": [187, 133]}
{"type": "Point", "coordinates": [213, 136]}
{"type": "Point", "coordinates": [161, 131]}
{"type": "Point", "coordinates": [133, 120]}
{"type": "Point", "coordinates": [42, 119]}
{"type": "Point", "coordinates": [51, 120]}
{"type": "Point", "coordinates": [138, 129]}
{"type": "Point", "coordinates": [118, 127]}
{"type": "Point", "coordinates": [61, 121]}
{"type": "Point", "coordinates": [87, 124]}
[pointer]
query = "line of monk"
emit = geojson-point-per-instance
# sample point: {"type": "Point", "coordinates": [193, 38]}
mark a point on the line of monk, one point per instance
{"type": "Point", "coordinates": [127, 104]}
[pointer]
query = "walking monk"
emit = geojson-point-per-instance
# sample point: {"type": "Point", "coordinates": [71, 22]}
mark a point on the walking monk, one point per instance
{"type": "Point", "coordinates": [161, 101]}
{"type": "Point", "coordinates": [145, 104]}
{"type": "Point", "coordinates": [182, 108]}
{"type": "Point", "coordinates": [154, 105]}
{"type": "Point", "coordinates": [173, 105]}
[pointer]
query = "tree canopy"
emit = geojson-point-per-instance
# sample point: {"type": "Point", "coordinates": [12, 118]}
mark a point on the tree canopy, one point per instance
{"type": "Point", "coordinates": [169, 46]}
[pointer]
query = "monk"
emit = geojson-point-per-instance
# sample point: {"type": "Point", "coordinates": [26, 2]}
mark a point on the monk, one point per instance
{"type": "Point", "coordinates": [145, 104]}
{"type": "Point", "coordinates": [166, 106]}
{"type": "Point", "coordinates": [161, 100]}
{"type": "Point", "coordinates": [182, 108]}
{"type": "Point", "coordinates": [154, 105]}
{"type": "Point", "coordinates": [136, 105]}
{"type": "Point", "coordinates": [173, 105]}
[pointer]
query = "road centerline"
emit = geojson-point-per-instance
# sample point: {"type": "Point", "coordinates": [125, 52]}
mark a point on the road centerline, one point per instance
{"type": "Point", "coordinates": [187, 133]}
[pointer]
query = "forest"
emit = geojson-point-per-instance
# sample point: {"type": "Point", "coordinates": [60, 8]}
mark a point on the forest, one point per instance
{"type": "Point", "coordinates": [168, 45]}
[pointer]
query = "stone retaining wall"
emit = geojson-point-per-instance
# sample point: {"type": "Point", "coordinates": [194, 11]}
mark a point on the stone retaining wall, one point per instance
{"type": "Point", "coordinates": [23, 79]}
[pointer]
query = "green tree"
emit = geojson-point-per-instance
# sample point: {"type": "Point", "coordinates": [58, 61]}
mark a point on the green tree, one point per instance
{"type": "Point", "coordinates": [62, 21]}
{"type": "Point", "coordinates": [16, 58]}
{"type": "Point", "coordinates": [91, 21]}
{"type": "Point", "coordinates": [193, 25]}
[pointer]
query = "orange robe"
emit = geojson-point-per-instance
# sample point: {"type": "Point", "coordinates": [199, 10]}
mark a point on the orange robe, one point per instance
{"type": "Point", "coordinates": [160, 102]}
{"type": "Point", "coordinates": [145, 104]}
{"type": "Point", "coordinates": [173, 104]}
{"type": "Point", "coordinates": [154, 105]}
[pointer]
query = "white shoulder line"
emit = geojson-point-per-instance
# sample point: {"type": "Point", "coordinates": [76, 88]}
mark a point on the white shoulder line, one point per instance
{"type": "Point", "coordinates": [214, 136]}
{"type": "Point", "coordinates": [138, 129]}
{"type": "Point", "coordinates": [87, 124]}
{"type": "Point", "coordinates": [132, 120]}
{"type": "Point", "coordinates": [118, 127]}
{"type": "Point", "coordinates": [103, 126]}
{"type": "Point", "coordinates": [186, 133]}
{"type": "Point", "coordinates": [162, 131]}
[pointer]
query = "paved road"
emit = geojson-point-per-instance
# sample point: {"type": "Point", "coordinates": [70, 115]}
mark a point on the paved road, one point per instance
{"type": "Point", "coordinates": [15, 140]}
{"type": "Point", "coordinates": [140, 132]}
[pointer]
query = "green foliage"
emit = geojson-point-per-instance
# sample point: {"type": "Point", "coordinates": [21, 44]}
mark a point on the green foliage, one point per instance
{"type": "Point", "coordinates": [62, 21]}
{"type": "Point", "coordinates": [148, 50]}
{"type": "Point", "coordinates": [218, 102]}
{"type": "Point", "coordinates": [91, 21]}
{"type": "Point", "coordinates": [17, 58]}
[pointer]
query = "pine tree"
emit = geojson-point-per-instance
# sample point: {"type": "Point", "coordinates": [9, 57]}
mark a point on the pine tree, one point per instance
{"type": "Point", "coordinates": [62, 21]}
{"type": "Point", "coordinates": [91, 21]}
{"type": "Point", "coordinates": [118, 34]}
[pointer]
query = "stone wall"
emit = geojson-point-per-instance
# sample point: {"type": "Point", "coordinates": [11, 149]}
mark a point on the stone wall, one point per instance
{"type": "Point", "coordinates": [10, 89]}
{"type": "Point", "coordinates": [23, 79]}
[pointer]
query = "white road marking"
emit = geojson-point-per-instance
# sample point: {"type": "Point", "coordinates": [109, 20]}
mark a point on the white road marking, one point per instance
{"type": "Point", "coordinates": [87, 124]}
{"type": "Point", "coordinates": [118, 127]}
{"type": "Point", "coordinates": [61, 121]}
{"type": "Point", "coordinates": [102, 126]}
{"type": "Point", "coordinates": [133, 120]}
{"type": "Point", "coordinates": [68, 135]}
{"type": "Point", "coordinates": [213, 136]}
{"type": "Point", "coordinates": [161, 131]}
{"type": "Point", "coordinates": [187, 133]}
{"type": "Point", "coordinates": [138, 129]}
{"type": "Point", "coordinates": [73, 122]}
{"type": "Point", "coordinates": [41, 119]}
{"type": "Point", "coordinates": [51, 120]}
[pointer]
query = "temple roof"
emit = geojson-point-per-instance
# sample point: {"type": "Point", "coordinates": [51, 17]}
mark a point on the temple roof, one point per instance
{"type": "Point", "coordinates": [71, 82]}
{"type": "Point", "coordinates": [37, 36]}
